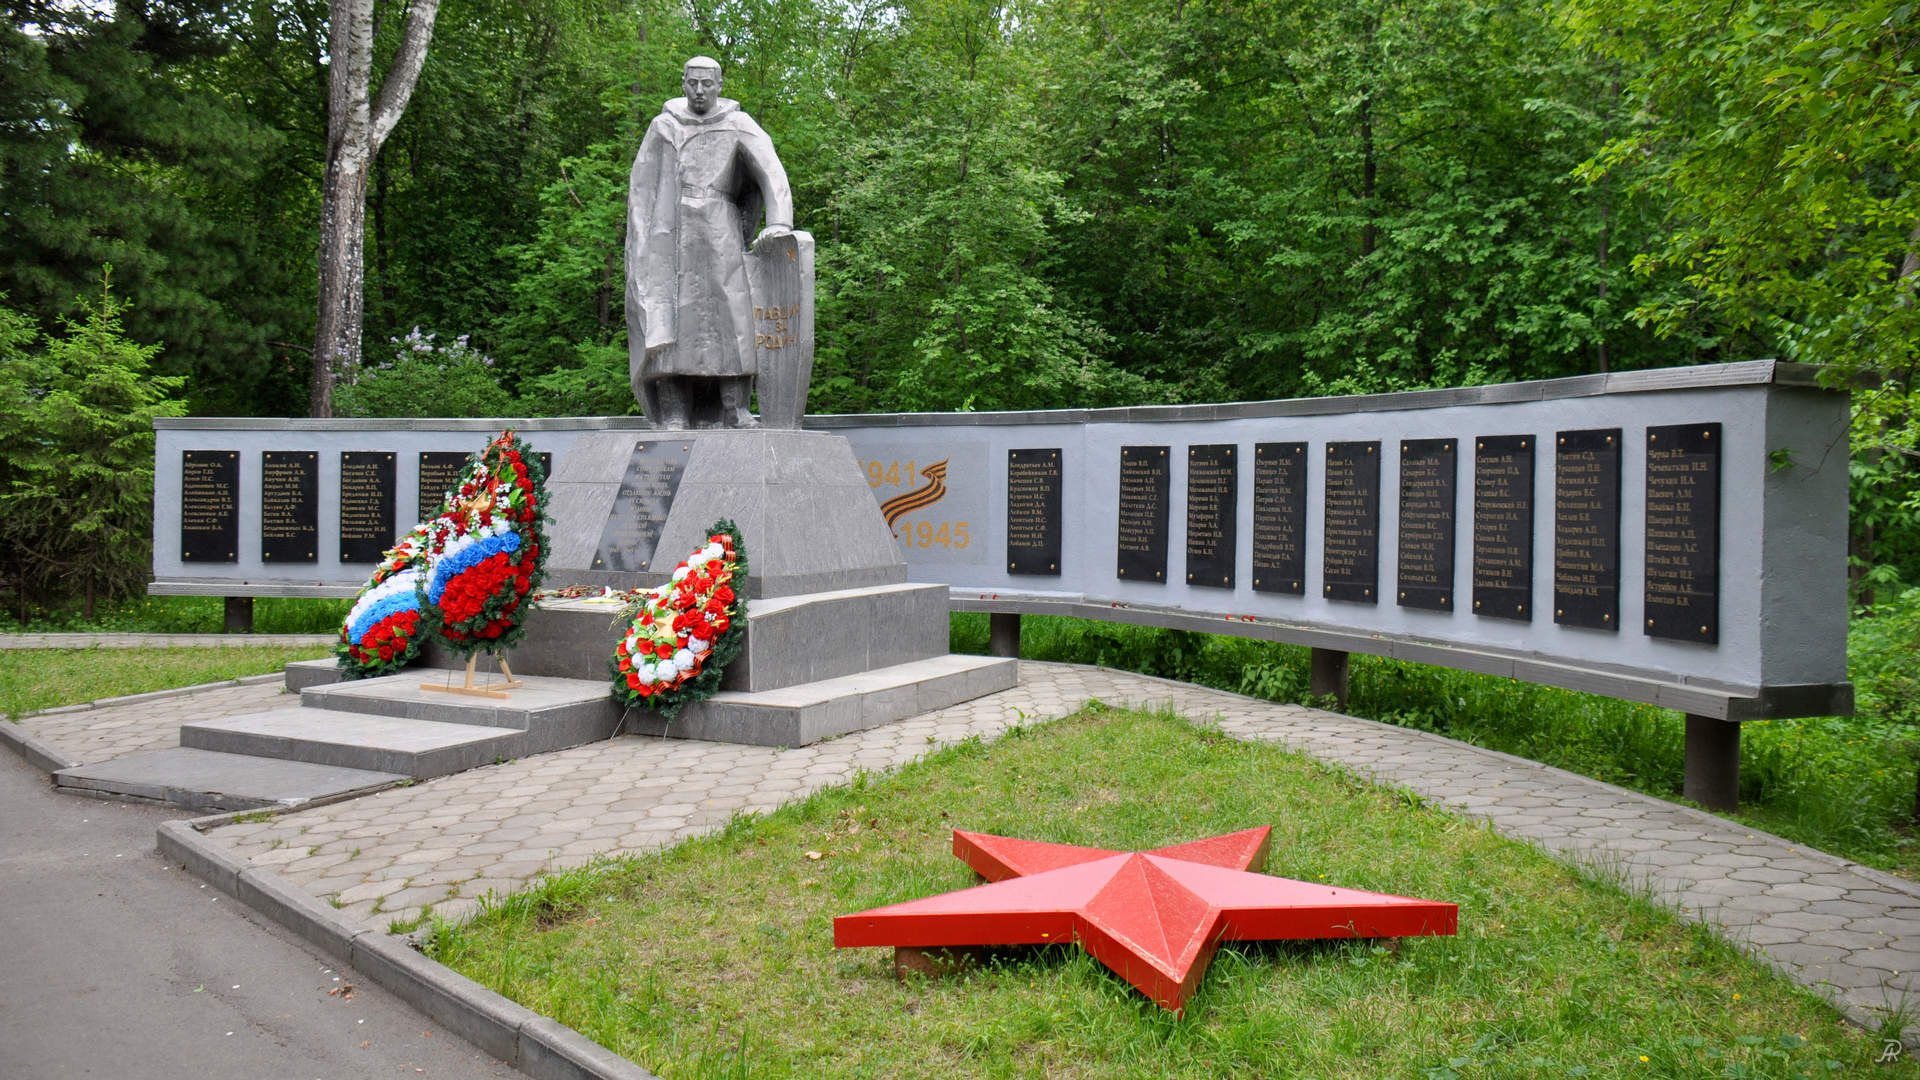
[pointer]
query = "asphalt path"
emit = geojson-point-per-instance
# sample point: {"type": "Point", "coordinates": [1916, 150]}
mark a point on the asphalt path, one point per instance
{"type": "Point", "coordinates": [114, 964]}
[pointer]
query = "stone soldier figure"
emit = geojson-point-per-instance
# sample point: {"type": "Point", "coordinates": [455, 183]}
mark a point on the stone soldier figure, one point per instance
{"type": "Point", "coordinates": [703, 176]}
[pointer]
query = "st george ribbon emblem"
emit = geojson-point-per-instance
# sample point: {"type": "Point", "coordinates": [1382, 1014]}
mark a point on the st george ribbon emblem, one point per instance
{"type": "Point", "coordinates": [919, 498]}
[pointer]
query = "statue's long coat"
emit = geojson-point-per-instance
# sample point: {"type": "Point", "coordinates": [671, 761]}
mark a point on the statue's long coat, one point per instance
{"type": "Point", "coordinates": [693, 204]}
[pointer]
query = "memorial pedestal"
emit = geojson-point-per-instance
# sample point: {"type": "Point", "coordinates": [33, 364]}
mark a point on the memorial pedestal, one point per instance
{"type": "Point", "coordinates": [628, 506]}
{"type": "Point", "coordinates": [836, 639]}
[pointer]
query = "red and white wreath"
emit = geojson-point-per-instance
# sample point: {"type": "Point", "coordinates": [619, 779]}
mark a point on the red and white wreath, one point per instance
{"type": "Point", "coordinates": [681, 635]}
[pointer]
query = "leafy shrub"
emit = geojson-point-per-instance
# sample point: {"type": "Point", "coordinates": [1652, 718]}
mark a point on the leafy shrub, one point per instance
{"type": "Point", "coordinates": [425, 378]}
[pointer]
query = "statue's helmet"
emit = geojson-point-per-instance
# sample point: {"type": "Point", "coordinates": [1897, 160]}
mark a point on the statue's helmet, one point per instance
{"type": "Point", "coordinates": [701, 63]}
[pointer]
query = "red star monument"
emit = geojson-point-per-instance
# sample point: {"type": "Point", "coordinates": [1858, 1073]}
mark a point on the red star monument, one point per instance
{"type": "Point", "coordinates": [1154, 917]}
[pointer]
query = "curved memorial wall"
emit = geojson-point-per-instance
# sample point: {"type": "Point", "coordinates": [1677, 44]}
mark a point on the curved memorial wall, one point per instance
{"type": "Point", "coordinates": [1673, 536]}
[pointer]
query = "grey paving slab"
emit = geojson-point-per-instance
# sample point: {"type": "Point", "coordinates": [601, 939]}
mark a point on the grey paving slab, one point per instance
{"type": "Point", "coordinates": [115, 730]}
{"type": "Point", "coordinates": [415, 748]}
{"type": "Point", "coordinates": [207, 780]}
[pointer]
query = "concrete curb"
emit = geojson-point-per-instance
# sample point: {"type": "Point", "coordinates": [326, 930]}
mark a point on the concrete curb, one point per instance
{"type": "Point", "coordinates": [38, 752]}
{"type": "Point", "coordinates": [539, 1046]}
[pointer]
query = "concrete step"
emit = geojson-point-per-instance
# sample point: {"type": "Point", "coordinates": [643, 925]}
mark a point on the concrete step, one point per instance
{"type": "Point", "coordinates": [207, 781]}
{"type": "Point", "coordinates": [419, 749]}
{"type": "Point", "coordinates": [301, 674]}
{"type": "Point", "coordinates": [543, 698]}
{"type": "Point", "coordinates": [800, 715]}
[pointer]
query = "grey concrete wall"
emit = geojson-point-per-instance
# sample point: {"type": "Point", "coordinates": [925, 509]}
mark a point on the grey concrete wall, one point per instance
{"type": "Point", "coordinates": [406, 439]}
{"type": "Point", "coordinates": [1782, 530]}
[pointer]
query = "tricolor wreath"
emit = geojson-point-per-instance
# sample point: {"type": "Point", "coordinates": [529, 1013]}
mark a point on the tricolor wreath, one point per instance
{"type": "Point", "coordinates": [487, 550]}
{"type": "Point", "coordinates": [681, 635]}
{"type": "Point", "coordinates": [465, 572]}
{"type": "Point", "coordinates": [382, 633]}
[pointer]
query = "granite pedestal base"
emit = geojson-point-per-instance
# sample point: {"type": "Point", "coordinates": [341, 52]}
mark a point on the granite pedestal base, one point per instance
{"type": "Point", "coordinates": [802, 504]}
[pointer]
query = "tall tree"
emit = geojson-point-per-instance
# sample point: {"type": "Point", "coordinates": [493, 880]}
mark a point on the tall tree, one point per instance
{"type": "Point", "coordinates": [1782, 138]}
{"type": "Point", "coordinates": [357, 126]}
{"type": "Point", "coordinates": [114, 148]}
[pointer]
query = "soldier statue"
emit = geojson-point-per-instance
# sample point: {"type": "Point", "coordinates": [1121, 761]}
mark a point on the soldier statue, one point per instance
{"type": "Point", "coordinates": [703, 177]}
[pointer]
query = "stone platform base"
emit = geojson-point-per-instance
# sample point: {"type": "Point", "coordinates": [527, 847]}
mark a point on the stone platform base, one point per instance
{"type": "Point", "coordinates": [805, 714]}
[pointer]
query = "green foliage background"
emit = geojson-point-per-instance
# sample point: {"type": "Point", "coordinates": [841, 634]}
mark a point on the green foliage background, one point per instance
{"type": "Point", "coordinates": [1021, 203]}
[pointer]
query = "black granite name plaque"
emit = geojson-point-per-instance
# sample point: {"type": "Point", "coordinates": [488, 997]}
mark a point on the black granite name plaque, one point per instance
{"type": "Point", "coordinates": [366, 506]}
{"type": "Point", "coordinates": [1213, 514]}
{"type": "Point", "coordinates": [1586, 529]}
{"type": "Point", "coordinates": [1350, 535]}
{"type": "Point", "coordinates": [639, 513]}
{"type": "Point", "coordinates": [1683, 532]}
{"type": "Point", "coordinates": [1033, 512]}
{"type": "Point", "coordinates": [289, 506]}
{"type": "Point", "coordinates": [1280, 518]}
{"type": "Point", "coordinates": [1503, 526]}
{"type": "Point", "coordinates": [209, 506]}
{"type": "Point", "coordinates": [440, 473]}
{"type": "Point", "coordinates": [1428, 481]}
{"type": "Point", "coordinates": [546, 464]}
{"type": "Point", "coordinates": [1141, 536]}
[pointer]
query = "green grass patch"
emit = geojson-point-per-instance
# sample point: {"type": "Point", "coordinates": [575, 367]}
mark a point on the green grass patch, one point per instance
{"type": "Point", "coordinates": [715, 959]}
{"type": "Point", "coordinates": [183, 615]}
{"type": "Point", "coordinates": [34, 679]}
{"type": "Point", "coordinates": [1839, 784]}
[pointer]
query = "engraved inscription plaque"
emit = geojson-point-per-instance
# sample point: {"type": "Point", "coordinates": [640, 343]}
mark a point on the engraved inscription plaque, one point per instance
{"type": "Point", "coordinates": [1350, 538]}
{"type": "Point", "coordinates": [440, 473]}
{"type": "Point", "coordinates": [640, 509]}
{"type": "Point", "coordinates": [289, 506]}
{"type": "Point", "coordinates": [1586, 529]}
{"type": "Point", "coordinates": [1683, 532]}
{"type": "Point", "coordinates": [366, 505]}
{"type": "Point", "coordinates": [546, 462]}
{"type": "Point", "coordinates": [209, 506]}
{"type": "Point", "coordinates": [1503, 526]}
{"type": "Point", "coordinates": [1213, 514]}
{"type": "Point", "coordinates": [1033, 512]}
{"type": "Point", "coordinates": [1280, 518]}
{"type": "Point", "coordinates": [1427, 482]}
{"type": "Point", "coordinates": [1145, 481]}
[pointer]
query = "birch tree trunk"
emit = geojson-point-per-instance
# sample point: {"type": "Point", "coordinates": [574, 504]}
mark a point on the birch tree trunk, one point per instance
{"type": "Point", "coordinates": [357, 126]}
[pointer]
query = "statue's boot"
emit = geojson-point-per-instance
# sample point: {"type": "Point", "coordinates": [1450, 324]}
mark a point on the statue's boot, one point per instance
{"type": "Point", "coordinates": [735, 393]}
{"type": "Point", "coordinates": [676, 405]}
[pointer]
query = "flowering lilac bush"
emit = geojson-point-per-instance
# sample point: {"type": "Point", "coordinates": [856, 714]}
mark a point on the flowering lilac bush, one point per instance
{"type": "Point", "coordinates": [424, 377]}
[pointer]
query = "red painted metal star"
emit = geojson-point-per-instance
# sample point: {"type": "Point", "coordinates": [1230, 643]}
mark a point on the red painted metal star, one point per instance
{"type": "Point", "coordinates": [1154, 917]}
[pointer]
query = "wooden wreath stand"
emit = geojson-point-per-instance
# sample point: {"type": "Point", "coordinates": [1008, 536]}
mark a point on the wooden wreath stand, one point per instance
{"type": "Point", "coordinates": [490, 690]}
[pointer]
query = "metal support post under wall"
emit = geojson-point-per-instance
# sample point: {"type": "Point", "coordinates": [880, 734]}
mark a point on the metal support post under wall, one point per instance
{"type": "Point", "coordinates": [1328, 675]}
{"type": "Point", "coordinates": [1712, 776]}
{"type": "Point", "coordinates": [1003, 635]}
{"type": "Point", "coordinates": [239, 615]}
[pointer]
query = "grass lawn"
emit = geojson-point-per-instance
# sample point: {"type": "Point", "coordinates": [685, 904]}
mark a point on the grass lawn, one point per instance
{"type": "Point", "coordinates": [33, 679]}
{"type": "Point", "coordinates": [1844, 785]}
{"type": "Point", "coordinates": [183, 615]}
{"type": "Point", "coordinates": [715, 958]}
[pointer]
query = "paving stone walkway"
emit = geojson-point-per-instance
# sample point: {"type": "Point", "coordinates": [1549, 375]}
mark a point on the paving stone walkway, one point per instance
{"type": "Point", "coordinates": [1851, 932]}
